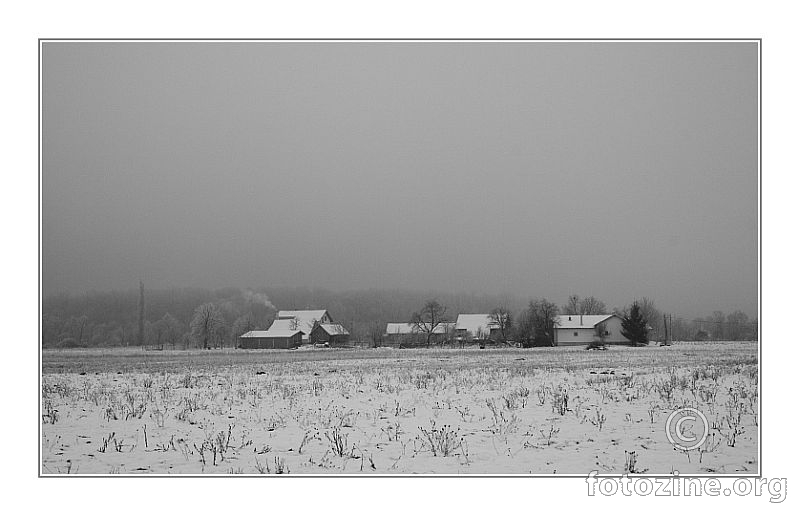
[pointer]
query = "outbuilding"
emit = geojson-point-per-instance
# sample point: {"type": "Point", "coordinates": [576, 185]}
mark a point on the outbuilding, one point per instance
{"type": "Point", "coordinates": [271, 339]}
{"type": "Point", "coordinates": [477, 328]}
{"type": "Point", "coordinates": [411, 335]}
{"type": "Point", "coordinates": [330, 333]}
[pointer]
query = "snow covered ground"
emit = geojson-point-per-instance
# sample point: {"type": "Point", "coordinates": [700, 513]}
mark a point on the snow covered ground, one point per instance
{"type": "Point", "coordinates": [512, 411]}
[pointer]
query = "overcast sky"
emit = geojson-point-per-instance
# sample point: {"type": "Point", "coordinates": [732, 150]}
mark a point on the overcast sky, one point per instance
{"type": "Point", "coordinates": [618, 170]}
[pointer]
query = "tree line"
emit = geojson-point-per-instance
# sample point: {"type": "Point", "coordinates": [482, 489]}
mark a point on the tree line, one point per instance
{"type": "Point", "coordinates": [642, 322]}
{"type": "Point", "coordinates": [168, 318]}
{"type": "Point", "coordinates": [198, 318]}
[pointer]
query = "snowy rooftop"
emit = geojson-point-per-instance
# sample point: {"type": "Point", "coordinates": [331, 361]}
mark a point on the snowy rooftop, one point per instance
{"type": "Point", "coordinates": [334, 329]}
{"type": "Point", "coordinates": [305, 318]}
{"type": "Point", "coordinates": [580, 321]}
{"type": "Point", "coordinates": [271, 332]}
{"type": "Point", "coordinates": [475, 323]}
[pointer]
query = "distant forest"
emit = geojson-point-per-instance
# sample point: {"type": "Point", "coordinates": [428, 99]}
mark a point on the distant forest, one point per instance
{"type": "Point", "coordinates": [107, 319]}
{"type": "Point", "coordinates": [111, 318]}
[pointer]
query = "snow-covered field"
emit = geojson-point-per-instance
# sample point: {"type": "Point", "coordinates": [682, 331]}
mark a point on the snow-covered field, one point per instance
{"type": "Point", "coordinates": [387, 411]}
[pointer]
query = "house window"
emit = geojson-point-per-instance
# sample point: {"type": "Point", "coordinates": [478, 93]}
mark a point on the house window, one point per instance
{"type": "Point", "coordinates": [608, 333]}
{"type": "Point", "coordinates": [574, 333]}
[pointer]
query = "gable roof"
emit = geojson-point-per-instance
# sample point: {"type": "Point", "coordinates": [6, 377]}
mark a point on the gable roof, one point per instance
{"type": "Point", "coordinates": [577, 321]}
{"type": "Point", "coordinates": [277, 332]}
{"type": "Point", "coordinates": [305, 318]}
{"type": "Point", "coordinates": [334, 329]}
{"type": "Point", "coordinates": [475, 323]}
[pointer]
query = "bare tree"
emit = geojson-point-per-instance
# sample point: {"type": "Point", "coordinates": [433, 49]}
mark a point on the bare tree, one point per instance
{"type": "Point", "coordinates": [592, 306]}
{"type": "Point", "coordinates": [586, 306]}
{"type": "Point", "coordinates": [543, 314]}
{"type": "Point", "coordinates": [650, 314]}
{"type": "Point", "coordinates": [123, 341]}
{"type": "Point", "coordinates": [376, 334]}
{"type": "Point", "coordinates": [573, 305]}
{"type": "Point", "coordinates": [206, 323]}
{"type": "Point", "coordinates": [79, 325]}
{"type": "Point", "coordinates": [737, 325]}
{"type": "Point", "coordinates": [173, 329]}
{"type": "Point", "coordinates": [501, 318]}
{"type": "Point", "coordinates": [157, 331]}
{"type": "Point", "coordinates": [525, 329]}
{"type": "Point", "coordinates": [681, 330]}
{"type": "Point", "coordinates": [220, 334]}
{"type": "Point", "coordinates": [717, 321]}
{"type": "Point", "coordinates": [427, 319]}
{"type": "Point", "coordinates": [242, 325]}
{"type": "Point", "coordinates": [599, 341]}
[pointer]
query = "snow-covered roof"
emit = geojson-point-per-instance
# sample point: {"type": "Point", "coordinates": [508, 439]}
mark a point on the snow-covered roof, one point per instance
{"type": "Point", "coordinates": [580, 321]}
{"type": "Point", "coordinates": [475, 323]}
{"type": "Point", "coordinates": [285, 325]}
{"type": "Point", "coordinates": [271, 332]}
{"type": "Point", "coordinates": [305, 318]}
{"type": "Point", "coordinates": [408, 328]}
{"type": "Point", "coordinates": [334, 329]}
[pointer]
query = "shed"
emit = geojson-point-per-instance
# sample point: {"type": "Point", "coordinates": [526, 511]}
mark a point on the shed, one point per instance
{"type": "Point", "coordinates": [477, 327]}
{"type": "Point", "coordinates": [271, 339]}
{"type": "Point", "coordinates": [331, 333]}
{"type": "Point", "coordinates": [409, 334]}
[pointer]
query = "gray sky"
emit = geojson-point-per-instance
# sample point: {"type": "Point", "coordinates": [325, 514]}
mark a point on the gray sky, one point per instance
{"type": "Point", "coordinates": [541, 169]}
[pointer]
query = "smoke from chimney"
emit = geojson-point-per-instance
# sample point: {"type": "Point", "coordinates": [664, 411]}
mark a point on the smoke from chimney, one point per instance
{"type": "Point", "coordinates": [258, 297]}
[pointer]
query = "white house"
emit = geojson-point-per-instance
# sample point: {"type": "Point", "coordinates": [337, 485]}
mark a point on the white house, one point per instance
{"type": "Point", "coordinates": [580, 330]}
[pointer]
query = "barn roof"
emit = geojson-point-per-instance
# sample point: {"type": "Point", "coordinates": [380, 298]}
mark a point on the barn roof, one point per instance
{"type": "Point", "coordinates": [302, 314]}
{"type": "Point", "coordinates": [475, 322]}
{"type": "Point", "coordinates": [408, 328]}
{"type": "Point", "coordinates": [573, 321]}
{"type": "Point", "coordinates": [270, 333]}
{"type": "Point", "coordinates": [334, 329]}
{"type": "Point", "coordinates": [305, 318]}
{"type": "Point", "coordinates": [285, 325]}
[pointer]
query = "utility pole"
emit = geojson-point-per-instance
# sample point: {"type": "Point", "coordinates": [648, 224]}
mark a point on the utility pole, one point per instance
{"type": "Point", "coordinates": [141, 315]}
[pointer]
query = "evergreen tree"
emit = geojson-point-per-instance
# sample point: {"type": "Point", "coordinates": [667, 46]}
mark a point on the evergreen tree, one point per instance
{"type": "Point", "coordinates": [634, 326]}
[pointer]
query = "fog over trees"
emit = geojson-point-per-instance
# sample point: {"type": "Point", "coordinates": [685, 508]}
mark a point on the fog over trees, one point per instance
{"type": "Point", "coordinates": [182, 318]}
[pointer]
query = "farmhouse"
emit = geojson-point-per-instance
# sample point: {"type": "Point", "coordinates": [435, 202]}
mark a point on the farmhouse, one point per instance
{"type": "Point", "coordinates": [303, 320]}
{"type": "Point", "coordinates": [408, 334]}
{"type": "Point", "coordinates": [330, 333]}
{"type": "Point", "coordinates": [476, 327]}
{"type": "Point", "coordinates": [580, 330]}
{"type": "Point", "coordinates": [274, 338]}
